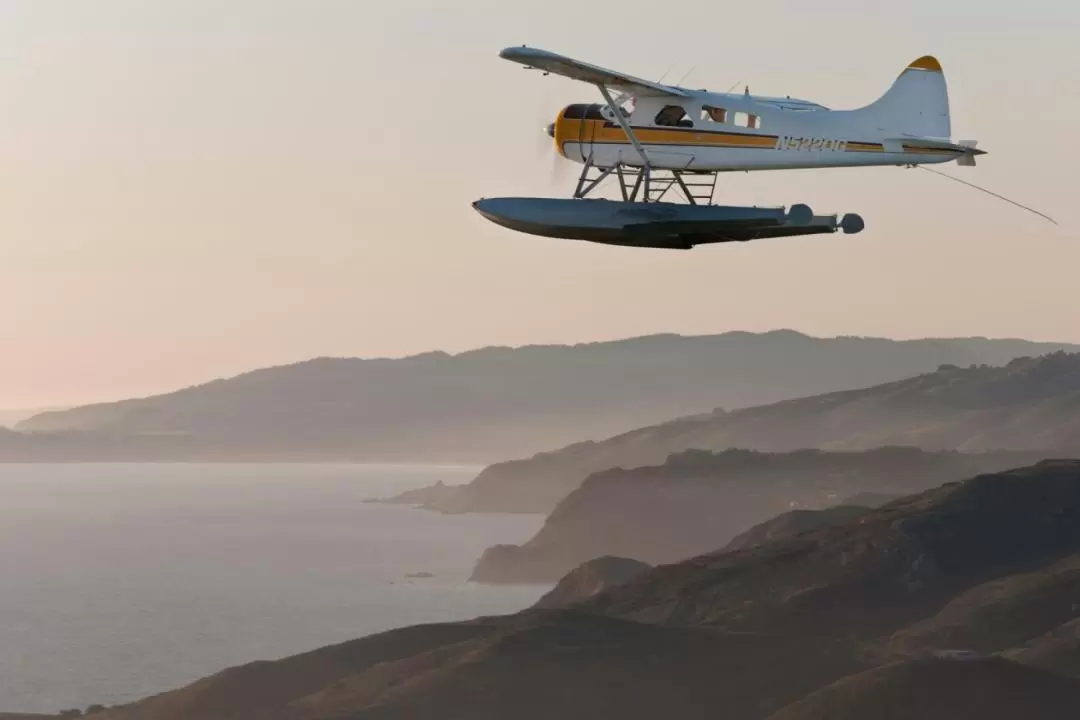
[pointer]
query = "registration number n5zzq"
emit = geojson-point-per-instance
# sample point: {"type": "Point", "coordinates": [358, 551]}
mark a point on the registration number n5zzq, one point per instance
{"type": "Point", "coordinates": [810, 144]}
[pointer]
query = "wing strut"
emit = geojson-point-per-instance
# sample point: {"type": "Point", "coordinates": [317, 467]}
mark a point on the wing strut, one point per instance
{"type": "Point", "coordinates": [617, 112]}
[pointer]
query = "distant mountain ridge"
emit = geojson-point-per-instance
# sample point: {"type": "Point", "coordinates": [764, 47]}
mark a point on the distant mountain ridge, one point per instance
{"type": "Point", "coordinates": [1028, 405]}
{"type": "Point", "coordinates": [11, 417]}
{"type": "Point", "coordinates": [486, 404]}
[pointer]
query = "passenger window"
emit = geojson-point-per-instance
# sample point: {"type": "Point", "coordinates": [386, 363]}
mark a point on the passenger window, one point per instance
{"type": "Point", "coordinates": [713, 114]}
{"type": "Point", "coordinates": [673, 116]}
{"type": "Point", "coordinates": [747, 120]}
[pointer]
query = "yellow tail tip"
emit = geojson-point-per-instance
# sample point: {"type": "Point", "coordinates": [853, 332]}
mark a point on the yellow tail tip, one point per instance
{"type": "Point", "coordinates": [926, 62]}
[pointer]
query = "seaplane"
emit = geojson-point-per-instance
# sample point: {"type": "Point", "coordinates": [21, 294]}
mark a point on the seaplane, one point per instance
{"type": "Point", "coordinates": [665, 145]}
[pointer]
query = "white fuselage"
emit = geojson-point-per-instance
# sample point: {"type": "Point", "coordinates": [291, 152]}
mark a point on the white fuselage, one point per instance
{"type": "Point", "coordinates": [697, 130]}
{"type": "Point", "coordinates": [732, 132]}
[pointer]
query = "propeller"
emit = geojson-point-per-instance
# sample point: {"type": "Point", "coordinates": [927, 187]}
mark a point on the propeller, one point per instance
{"type": "Point", "coordinates": [561, 168]}
{"type": "Point", "coordinates": [544, 136]}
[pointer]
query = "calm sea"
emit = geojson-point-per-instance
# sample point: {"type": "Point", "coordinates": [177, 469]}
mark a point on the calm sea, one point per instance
{"type": "Point", "coordinates": [120, 581]}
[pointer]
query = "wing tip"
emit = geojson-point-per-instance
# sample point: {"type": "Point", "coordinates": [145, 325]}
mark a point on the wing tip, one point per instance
{"type": "Point", "coordinates": [510, 52]}
{"type": "Point", "coordinates": [523, 52]}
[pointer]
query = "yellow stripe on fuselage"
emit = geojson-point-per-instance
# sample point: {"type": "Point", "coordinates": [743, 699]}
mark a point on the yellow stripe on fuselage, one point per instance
{"type": "Point", "coordinates": [932, 151]}
{"type": "Point", "coordinates": [569, 130]}
{"type": "Point", "coordinates": [572, 130]}
{"type": "Point", "coordinates": [853, 146]}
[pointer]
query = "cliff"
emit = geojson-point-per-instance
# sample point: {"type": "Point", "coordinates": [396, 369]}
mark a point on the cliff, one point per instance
{"type": "Point", "coordinates": [697, 502]}
{"type": "Point", "coordinates": [888, 570]}
{"type": "Point", "coordinates": [590, 578]}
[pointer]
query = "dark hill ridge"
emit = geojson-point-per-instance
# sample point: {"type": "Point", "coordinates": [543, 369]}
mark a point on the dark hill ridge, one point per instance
{"type": "Point", "coordinates": [699, 501]}
{"type": "Point", "coordinates": [536, 665]}
{"type": "Point", "coordinates": [831, 600]}
{"type": "Point", "coordinates": [793, 523]}
{"type": "Point", "coordinates": [871, 578]}
{"type": "Point", "coordinates": [1057, 650]}
{"type": "Point", "coordinates": [590, 578]}
{"type": "Point", "coordinates": [980, 689]}
{"type": "Point", "coordinates": [1031, 404]}
{"type": "Point", "coordinates": [1002, 613]}
{"type": "Point", "coordinates": [870, 499]}
{"type": "Point", "coordinates": [485, 404]}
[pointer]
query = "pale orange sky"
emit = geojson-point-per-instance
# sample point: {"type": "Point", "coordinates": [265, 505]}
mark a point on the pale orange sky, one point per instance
{"type": "Point", "coordinates": [194, 188]}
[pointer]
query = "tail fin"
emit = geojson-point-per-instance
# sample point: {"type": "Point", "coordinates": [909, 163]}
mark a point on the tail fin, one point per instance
{"type": "Point", "coordinates": [917, 103]}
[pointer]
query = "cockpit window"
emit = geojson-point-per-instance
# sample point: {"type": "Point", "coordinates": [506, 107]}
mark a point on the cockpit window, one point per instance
{"type": "Point", "coordinates": [583, 112]}
{"type": "Point", "coordinates": [713, 114]}
{"type": "Point", "coordinates": [673, 116]}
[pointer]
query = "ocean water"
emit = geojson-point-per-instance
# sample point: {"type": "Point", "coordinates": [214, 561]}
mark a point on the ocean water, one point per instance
{"type": "Point", "coordinates": [121, 581]}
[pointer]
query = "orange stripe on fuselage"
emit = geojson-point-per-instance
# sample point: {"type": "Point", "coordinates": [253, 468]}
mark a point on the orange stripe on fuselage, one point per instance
{"type": "Point", "coordinates": [569, 130]}
{"type": "Point", "coordinates": [572, 130]}
{"type": "Point", "coordinates": [931, 151]}
{"type": "Point", "coordinates": [853, 146]}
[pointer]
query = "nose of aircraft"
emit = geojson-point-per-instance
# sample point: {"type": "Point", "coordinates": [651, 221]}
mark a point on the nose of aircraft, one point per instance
{"type": "Point", "coordinates": [550, 130]}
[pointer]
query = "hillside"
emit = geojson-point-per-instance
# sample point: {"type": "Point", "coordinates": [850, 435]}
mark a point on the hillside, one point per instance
{"type": "Point", "coordinates": [794, 522]}
{"type": "Point", "coordinates": [536, 665]}
{"type": "Point", "coordinates": [12, 417]}
{"type": "Point", "coordinates": [886, 571]}
{"type": "Point", "coordinates": [697, 501]}
{"type": "Point", "coordinates": [1002, 613]}
{"type": "Point", "coordinates": [799, 628]}
{"type": "Point", "coordinates": [590, 578]}
{"type": "Point", "coordinates": [1058, 650]}
{"type": "Point", "coordinates": [485, 404]}
{"type": "Point", "coordinates": [1031, 404]}
{"type": "Point", "coordinates": [981, 689]}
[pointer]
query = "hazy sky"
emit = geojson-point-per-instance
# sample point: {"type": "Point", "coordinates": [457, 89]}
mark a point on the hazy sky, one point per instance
{"type": "Point", "coordinates": [193, 188]}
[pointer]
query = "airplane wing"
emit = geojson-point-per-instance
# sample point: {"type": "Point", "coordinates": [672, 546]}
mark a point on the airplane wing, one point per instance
{"type": "Point", "coordinates": [577, 70]}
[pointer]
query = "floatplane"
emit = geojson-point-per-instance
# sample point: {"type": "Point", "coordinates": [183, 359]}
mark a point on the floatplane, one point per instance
{"type": "Point", "coordinates": [664, 146]}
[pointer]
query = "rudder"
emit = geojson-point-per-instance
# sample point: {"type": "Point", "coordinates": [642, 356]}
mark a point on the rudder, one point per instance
{"type": "Point", "coordinates": [917, 104]}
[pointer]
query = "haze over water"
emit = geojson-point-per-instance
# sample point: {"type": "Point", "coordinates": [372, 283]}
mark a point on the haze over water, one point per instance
{"type": "Point", "coordinates": [120, 581]}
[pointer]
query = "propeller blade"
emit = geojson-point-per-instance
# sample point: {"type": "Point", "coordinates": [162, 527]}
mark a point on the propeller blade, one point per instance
{"type": "Point", "coordinates": [544, 129]}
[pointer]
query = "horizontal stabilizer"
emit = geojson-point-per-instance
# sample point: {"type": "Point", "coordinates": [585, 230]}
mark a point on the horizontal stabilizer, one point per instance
{"type": "Point", "coordinates": [965, 151]}
{"type": "Point", "coordinates": [968, 158]}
